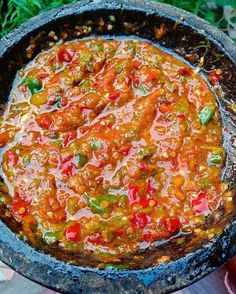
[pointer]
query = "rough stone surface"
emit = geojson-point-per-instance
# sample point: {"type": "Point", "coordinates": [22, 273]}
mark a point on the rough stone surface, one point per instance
{"type": "Point", "coordinates": [185, 32]}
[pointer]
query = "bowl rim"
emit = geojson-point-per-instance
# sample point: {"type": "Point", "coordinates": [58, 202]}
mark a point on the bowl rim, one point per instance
{"type": "Point", "coordinates": [37, 265]}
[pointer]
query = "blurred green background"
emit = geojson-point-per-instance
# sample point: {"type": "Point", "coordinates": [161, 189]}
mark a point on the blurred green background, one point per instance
{"type": "Point", "coordinates": [220, 13]}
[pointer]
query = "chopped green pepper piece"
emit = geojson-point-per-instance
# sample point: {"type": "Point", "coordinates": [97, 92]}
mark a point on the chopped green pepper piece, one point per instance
{"type": "Point", "coordinates": [119, 68]}
{"type": "Point", "coordinates": [123, 200]}
{"type": "Point", "coordinates": [116, 266]}
{"type": "Point", "coordinates": [157, 61]}
{"type": "Point", "coordinates": [144, 151]}
{"type": "Point", "coordinates": [86, 85]}
{"type": "Point", "coordinates": [215, 159]}
{"type": "Point", "coordinates": [51, 237]}
{"type": "Point", "coordinates": [133, 236]}
{"type": "Point", "coordinates": [117, 222]}
{"type": "Point", "coordinates": [26, 159]}
{"type": "Point", "coordinates": [146, 210]}
{"type": "Point", "coordinates": [81, 159]}
{"type": "Point", "coordinates": [142, 90]}
{"type": "Point", "coordinates": [86, 59]}
{"type": "Point", "coordinates": [95, 203]}
{"type": "Point", "coordinates": [95, 145]}
{"type": "Point", "coordinates": [98, 47]}
{"type": "Point", "coordinates": [57, 142]}
{"type": "Point", "coordinates": [34, 84]}
{"type": "Point", "coordinates": [180, 241]}
{"type": "Point", "coordinates": [70, 245]}
{"type": "Point", "coordinates": [52, 135]}
{"type": "Point", "coordinates": [162, 79]}
{"type": "Point", "coordinates": [206, 114]}
{"type": "Point", "coordinates": [170, 88]}
{"type": "Point", "coordinates": [213, 149]}
{"type": "Point", "coordinates": [206, 183]}
{"type": "Point", "coordinates": [183, 107]}
{"type": "Point", "coordinates": [33, 227]}
{"type": "Point", "coordinates": [72, 205]}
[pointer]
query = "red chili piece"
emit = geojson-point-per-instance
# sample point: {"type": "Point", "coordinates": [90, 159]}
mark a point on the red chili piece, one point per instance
{"type": "Point", "coordinates": [128, 81]}
{"type": "Point", "coordinates": [19, 206]}
{"type": "Point", "coordinates": [133, 194]}
{"type": "Point", "coordinates": [172, 225]}
{"type": "Point", "coordinates": [44, 121]}
{"type": "Point", "coordinates": [99, 180]}
{"type": "Point", "coordinates": [64, 55]}
{"type": "Point", "coordinates": [43, 75]}
{"type": "Point", "coordinates": [148, 237]}
{"type": "Point", "coordinates": [185, 71]}
{"type": "Point", "coordinates": [119, 232]}
{"type": "Point", "coordinates": [136, 64]}
{"type": "Point", "coordinates": [72, 233]}
{"type": "Point", "coordinates": [153, 75]}
{"type": "Point", "coordinates": [181, 115]}
{"type": "Point", "coordinates": [114, 96]}
{"type": "Point", "coordinates": [215, 76]}
{"type": "Point", "coordinates": [12, 158]}
{"type": "Point", "coordinates": [97, 239]}
{"type": "Point", "coordinates": [69, 137]}
{"type": "Point", "coordinates": [142, 166]}
{"type": "Point", "coordinates": [67, 168]}
{"type": "Point", "coordinates": [140, 220]}
{"type": "Point", "coordinates": [144, 201]}
{"type": "Point", "coordinates": [66, 157]}
{"type": "Point", "coordinates": [64, 101]}
{"type": "Point", "coordinates": [125, 150]}
{"type": "Point", "coordinates": [201, 203]}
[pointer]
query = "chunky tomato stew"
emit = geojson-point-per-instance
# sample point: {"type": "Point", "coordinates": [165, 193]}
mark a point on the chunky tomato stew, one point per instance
{"type": "Point", "coordinates": [109, 146]}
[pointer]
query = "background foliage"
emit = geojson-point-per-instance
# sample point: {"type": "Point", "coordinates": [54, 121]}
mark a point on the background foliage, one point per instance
{"type": "Point", "coordinates": [14, 12]}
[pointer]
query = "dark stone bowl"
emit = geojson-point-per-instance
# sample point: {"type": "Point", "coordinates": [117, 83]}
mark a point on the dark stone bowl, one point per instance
{"type": "Point", "coordinates": [185, 34]}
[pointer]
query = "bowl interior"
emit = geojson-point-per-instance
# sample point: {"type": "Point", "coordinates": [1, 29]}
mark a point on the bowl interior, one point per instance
{"type": "Point", "coordinates": [184, 36]}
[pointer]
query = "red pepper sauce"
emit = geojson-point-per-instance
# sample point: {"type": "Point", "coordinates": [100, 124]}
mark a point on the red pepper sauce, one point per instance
{"type": "Point", "coordinates": [109, 146]}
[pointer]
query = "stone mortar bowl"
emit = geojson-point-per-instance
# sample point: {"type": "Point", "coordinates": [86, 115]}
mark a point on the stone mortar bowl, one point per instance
{"type": "Point", "coordinates": [185, 34]}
